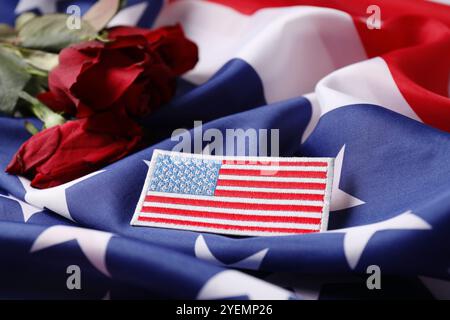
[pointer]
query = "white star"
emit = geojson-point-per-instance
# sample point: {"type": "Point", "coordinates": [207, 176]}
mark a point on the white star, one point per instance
{"type": "Point", "coordinates": [93, 243]}
{"type": "Point", "coordinates": [252, 262]}
{"type": "Point", "coordinates": [54, 198]}
{"type": "Point", "coordinates": [129, 16]}
{"type": "Point", "coordinates": [45, 6]}
{"type": "Point", "coordinates": [232, 283]}
{"type": "Point", "coordinates": [27, 210]}
{"type": "Point", "coordinates": [356, 238]}
{"type": "Point", "coordinates": [339, 198]}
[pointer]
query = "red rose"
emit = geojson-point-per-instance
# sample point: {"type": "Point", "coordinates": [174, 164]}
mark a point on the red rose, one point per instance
{"type": "Point", "coordinates": [177, 52]}
{"type": "Point", "coordinates": [107, 85]}
{"type": "Point", "coordinates": [69, 151]}
{"type": "Point", "coordinates": [134, 72]}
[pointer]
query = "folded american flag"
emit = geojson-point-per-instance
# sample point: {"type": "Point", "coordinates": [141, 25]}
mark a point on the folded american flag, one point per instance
{"type": "Point", "coordinates": [236, 195]}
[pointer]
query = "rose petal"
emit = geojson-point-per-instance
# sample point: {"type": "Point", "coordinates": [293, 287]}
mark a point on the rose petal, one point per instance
{"type": "Point", "coordinates": [103, 83]}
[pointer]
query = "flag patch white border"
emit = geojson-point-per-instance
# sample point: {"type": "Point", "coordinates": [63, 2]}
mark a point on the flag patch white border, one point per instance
{"type": "Point", "coordinates": [324, 215]}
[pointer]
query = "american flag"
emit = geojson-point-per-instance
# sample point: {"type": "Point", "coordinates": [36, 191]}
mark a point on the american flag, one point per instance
{"type": "Point", "coordinates": [235, 195]}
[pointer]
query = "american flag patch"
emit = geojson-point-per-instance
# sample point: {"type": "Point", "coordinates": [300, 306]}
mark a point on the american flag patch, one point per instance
{"type": "Point", "coordinates": [247, 196]}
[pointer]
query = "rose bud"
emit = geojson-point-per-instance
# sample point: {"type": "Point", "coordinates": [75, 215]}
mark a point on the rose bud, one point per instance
{"type": "Point", "coordinates": [179, 53]}
{"type": "Point", "coordinates": [66, 152]}
{"type": "Point", "coordinates": [135, 71]}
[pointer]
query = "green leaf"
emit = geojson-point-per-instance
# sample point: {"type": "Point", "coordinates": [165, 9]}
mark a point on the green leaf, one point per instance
{"type": "Point", "coordinates": [40, 60]}
{"type": "Point", "coordinates": [13, 78]}
{"type": "Point", "coordinates": [24, 18]}
{"type": "Point", "coordinates": [51, 33]}
{"type": "Point", "coordinates": [7, 34]}
{"type": "Point", "coordinates": [36, 85]}
{"type": "Point", "coordinates": [101, 13]}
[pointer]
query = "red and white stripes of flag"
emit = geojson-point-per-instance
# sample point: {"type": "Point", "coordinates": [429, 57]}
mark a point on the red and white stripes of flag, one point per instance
{"type": "Point", "coordinates": [247, 196]}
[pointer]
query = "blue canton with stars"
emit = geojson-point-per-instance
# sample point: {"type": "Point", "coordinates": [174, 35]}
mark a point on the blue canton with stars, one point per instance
{"type": "Point", "coordinates": [185, 175]}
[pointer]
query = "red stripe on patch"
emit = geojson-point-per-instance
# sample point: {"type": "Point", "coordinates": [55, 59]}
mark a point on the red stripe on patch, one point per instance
{"type": "Point", "coordinates": [277, 163]}
{"type": "Point", "coordinates": [269, 195]}
{"type": "Point", "coordinates": [231, 216]}
{"type": "Point", "coordinates": [223, 226]}
{"type": "Point", "coordinates": [274, 173]}
{"type": "Point", "coordinates": [233, 205]}
{"type": "Point", "coordinates": [272, 184]}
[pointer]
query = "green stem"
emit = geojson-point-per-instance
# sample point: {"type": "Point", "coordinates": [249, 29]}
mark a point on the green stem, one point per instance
{"type": "Point", "coordinates": [36, 72]}
{"type": "Point", "coordinates": [42, 112]}
{"type": "Point", "coordinates": [31, 128]}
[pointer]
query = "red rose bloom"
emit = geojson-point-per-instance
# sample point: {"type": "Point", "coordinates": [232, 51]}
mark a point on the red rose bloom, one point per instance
{"type": "Point", "coordinates": [180, 56]}
{"type": "Point", "coordinates": [135, 72]}
{"type": "Point", "coordinates": [66, 152]}
{"type": "Point", "coordinates": [108, 86]}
